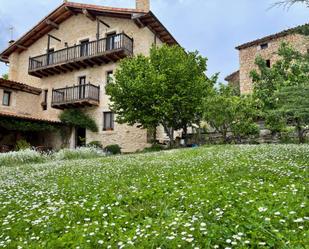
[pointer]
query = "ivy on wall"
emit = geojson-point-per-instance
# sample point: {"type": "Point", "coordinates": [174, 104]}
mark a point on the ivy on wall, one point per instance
{"type": "Point", "coordinates": [77, 118]}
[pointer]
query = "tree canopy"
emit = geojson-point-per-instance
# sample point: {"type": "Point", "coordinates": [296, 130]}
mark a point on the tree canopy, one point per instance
{"type": "Point", "coordinates": [165, 88]}
{"type": "Point", "coordinates": [227, 112]}
{"type": "Point", "coordinates": [282, 89]}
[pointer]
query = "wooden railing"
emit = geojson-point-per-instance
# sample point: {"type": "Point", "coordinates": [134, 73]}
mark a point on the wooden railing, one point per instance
{"type": "Point", "coordinates": [77, 52]}
{"type": "Point", "coordinates": [76, 93]}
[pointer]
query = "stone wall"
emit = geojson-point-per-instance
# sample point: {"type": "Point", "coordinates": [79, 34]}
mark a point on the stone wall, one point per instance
{"type": "Point", "coordinates": [247, 56]}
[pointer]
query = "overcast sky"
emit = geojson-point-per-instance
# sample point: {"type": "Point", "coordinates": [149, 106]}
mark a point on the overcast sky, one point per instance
{"type": "Point", "coordinates": [213, 27]}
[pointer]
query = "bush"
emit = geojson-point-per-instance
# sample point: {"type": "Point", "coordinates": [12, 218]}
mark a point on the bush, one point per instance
{"type": "Point", "coordinates": [22, 145]}
{"type": "Point", "coordinates": [113, 149]}
{"type": "Point", "coordinates": [79, 153]}
{"type": "Point", "coordinates": [22, 157]}
{"type": "Point", "coordinates": [95, 144]}
{"type": "Point", "coordinates": [154, 148]}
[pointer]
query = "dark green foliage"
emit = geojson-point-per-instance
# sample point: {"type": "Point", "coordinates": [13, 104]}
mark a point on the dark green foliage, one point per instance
{"type": "Point", "coordinates": [165, 89]}
{"type": "Point", "coordinates": [77, 118]}
{"type": "Point", "coordinates": [22, 145]}
{"type": "Point", "coordinates": [96, 144]}
{"type": "Point", "coordinates": [293, 104]}
{"type": "Point", "coordinates": [153, 148]}
{"type": "Point", "coordinates": [227, 112]}
{"type": "Point", "coordinates": [113, 149]}
{"type": "Point", "coordinates": [282, 90]}
{"type": "Point", "coordinates": [5, 76]}
{"type": "Point", "coordinates": [14, 124]}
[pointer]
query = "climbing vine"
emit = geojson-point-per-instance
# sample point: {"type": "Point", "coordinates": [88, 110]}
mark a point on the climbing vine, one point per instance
{"type": "Point", "coordinates": [77, 118]}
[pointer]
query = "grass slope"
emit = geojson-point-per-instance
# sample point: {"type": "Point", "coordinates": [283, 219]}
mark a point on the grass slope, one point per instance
{"type": "Point", "coordinates": [210, 197]}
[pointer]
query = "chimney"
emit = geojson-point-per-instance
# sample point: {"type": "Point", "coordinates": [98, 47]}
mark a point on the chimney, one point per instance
{"type": "Point", "coordinates": [11, 42]}
{"type": "Point", "coordinates": [143, 5]}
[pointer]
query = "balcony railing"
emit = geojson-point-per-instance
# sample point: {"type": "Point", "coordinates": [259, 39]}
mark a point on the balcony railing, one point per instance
{"type": "Point", "coordinates": [76, 96]}
{"type": "Point", "coordinates": [100, 51]}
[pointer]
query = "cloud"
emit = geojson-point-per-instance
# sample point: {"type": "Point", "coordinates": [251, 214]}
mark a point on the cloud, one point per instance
{"type": "Point", "coordinates": [212, 27]}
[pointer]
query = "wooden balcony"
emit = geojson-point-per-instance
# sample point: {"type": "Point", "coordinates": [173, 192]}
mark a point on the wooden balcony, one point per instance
{"type": "Point", "coordinates": [76, 96]}
{"type": "Point", "coordinates": [110, 49]}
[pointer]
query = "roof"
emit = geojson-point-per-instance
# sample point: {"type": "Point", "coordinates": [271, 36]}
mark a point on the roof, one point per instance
{"type": "Point", "coordinates": [26, 117]}
{"type": "Point", "coordinates": [271, 37]}
{"type": "Point", "coordinates": [232, 76]}
{"type": "Point", "coordinates": [19, 86]}
{"type": "Point", "coordinates": [67, 9]}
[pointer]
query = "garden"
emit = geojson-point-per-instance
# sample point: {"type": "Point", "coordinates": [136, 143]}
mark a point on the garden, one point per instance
{"type": "Point", "coordinates": [226, 196]}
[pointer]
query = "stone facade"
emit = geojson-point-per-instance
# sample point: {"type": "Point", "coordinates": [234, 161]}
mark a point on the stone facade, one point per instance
{"type": "Point", "coordinates": [247, 56]}
{"type": "Point", "coordinates": [76, 28]}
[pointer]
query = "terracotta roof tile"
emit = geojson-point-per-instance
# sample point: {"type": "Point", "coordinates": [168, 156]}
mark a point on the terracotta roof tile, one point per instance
{"type": "Point", "coordinates": [19, 86]}
{"type": "Point", "coordinates": [270, 37]}
{"type": "Point", "coordinates": [27, 117]}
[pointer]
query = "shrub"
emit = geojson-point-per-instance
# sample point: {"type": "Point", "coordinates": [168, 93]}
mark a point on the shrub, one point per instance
{"type": "Point", "coordinates": [22, 145]}
{"type": "Point", "coordinates": [79, 153]}
{"type": "Point", "coordinates": [153, 148]}
{"type": "Point", "coordinates": [95, 144]}
{"type": "Point", "coordinates": [113, 149]}
{"type": "Point", "coordinates": [22, 157]}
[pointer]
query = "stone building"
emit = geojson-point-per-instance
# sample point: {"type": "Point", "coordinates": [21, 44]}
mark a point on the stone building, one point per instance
{"type": "Point", "coordinates": [68, 58]}
{"type": "Point", "coordinates": [266, 47]}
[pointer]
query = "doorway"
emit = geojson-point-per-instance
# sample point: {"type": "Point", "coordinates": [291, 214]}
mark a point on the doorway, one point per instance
{"type": "Point", "coordinates": [82, 87]}
{"type": "Point", "coordinates": [110, 41]}
{"type": "Point", "coordinates": [80, 139]}
{"type": "Point", "coordinates": [84, 45]}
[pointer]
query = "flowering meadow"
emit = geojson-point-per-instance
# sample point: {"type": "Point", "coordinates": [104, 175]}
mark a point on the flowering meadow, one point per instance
{"type": "Point", "coordinates": [210, 197]}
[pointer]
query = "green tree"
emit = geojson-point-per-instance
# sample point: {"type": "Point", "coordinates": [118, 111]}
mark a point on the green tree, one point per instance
{"type": "Point", "coordinates": [165, 88]}
{"type": "Point", "coordinates": [227, 112]}
{"type": "Point", "coordinates": [293, 104]}
{"type": "Point", "coordinates": [5, 76]}
{"type": "Point", "coordinates": [291, 71]}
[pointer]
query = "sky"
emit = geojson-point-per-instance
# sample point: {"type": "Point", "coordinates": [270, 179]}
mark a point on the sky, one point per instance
{"type": "Point", "coordinates": [213, 27]}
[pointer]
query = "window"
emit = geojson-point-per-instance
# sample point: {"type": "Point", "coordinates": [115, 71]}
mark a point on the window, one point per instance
{"type": "Point", "coordinates": [109, 77]}
{"type": "Point", "coordinates": [264, 45]}
{"type": "Point", "coordinates": [108, 121]}
{"type": "Point", "coordinates": [6, 98]}
{"type": "Point", "coordinates": [44, 104]}
{"type": "Point", "coordinates": [268, 63]}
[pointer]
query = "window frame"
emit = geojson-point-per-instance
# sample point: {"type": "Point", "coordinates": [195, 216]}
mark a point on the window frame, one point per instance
{"type": "Point", "coordinates": [268, 63]}
{"type": "Point", "coordinates": [111, 125]}
{"type": "Point", "coordinates": [264, 46]}
{"type": "Point", "coordinates": [9, 93]}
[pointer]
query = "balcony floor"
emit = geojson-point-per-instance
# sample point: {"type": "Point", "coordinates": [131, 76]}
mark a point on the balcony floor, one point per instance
{"type": "Point", "coordinates": [82, 62]}
{"type": "Point", "coordinates": [75, 104]}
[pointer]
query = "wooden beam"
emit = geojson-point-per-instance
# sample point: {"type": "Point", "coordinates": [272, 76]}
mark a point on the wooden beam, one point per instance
{"type": "Point", "coordinates": [88, 15]}
{"type": "Point", "coordinates": [53, 24]}
{"type": "Point", "coordinates": [21, 47]}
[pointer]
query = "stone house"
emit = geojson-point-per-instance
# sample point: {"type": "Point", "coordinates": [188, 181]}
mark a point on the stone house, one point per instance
{"type": "Point", "coordinates": [266, 47]}
{"type": "Point", "coordinates": [65, 62]}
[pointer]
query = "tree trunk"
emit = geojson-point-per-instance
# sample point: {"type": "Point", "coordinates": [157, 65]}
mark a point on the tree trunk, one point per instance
{"type": "Point", "coordinates": [185, 134]}
{"type": "Point", "coordinates": [300, 133]}
{"type": "Point", "coordinates": [170, 134]}
{"type": "Point", "coordinates": [224, 134]}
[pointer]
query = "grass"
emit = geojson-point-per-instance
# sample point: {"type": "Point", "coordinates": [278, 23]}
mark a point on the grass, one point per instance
{"type": "Point", "coordinates": [209, 197]}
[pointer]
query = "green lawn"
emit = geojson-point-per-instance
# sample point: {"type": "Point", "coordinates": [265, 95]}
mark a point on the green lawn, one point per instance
{"type": "Point", "coordinates": [209, 197]}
